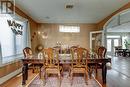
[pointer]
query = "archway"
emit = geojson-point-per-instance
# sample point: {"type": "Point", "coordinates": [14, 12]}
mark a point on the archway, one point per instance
{"type": "Point", "coordinates": [117, 31]}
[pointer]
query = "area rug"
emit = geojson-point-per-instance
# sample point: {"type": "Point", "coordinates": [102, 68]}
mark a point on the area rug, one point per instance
{"type": "Point", "coordinates": [52, 81]}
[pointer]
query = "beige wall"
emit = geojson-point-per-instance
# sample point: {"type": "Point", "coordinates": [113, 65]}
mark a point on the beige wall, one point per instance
{"type": "Point", "coordinates": [54, 36]}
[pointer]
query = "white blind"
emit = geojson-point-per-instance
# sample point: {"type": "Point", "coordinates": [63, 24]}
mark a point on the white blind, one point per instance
{"type": "Point", "coordinates": [71, 29]}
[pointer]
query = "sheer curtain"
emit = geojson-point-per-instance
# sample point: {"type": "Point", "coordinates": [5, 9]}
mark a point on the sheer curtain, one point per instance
{"type": "Point", "coordinates": [6, 37]}
{"type": "Point", "coordinates": [71, 29]}
{"type": "Point", "coordinates": [12, 44]}
{"type": "Point", "coordinates": [29, 35]}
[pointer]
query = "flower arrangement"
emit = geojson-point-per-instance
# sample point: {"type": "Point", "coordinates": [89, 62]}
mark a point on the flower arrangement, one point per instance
{"type": "Point", "coordinates": [92, 53]}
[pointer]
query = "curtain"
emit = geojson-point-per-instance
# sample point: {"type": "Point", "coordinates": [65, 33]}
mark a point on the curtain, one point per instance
{"type": "Point", "coordinates": [28, 37]}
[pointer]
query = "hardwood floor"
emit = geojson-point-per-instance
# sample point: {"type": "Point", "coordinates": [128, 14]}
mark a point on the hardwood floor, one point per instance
{"type": "Point", "coordinates": [17, 80]}
{"type": "Point", "coordinates": [118, 76]}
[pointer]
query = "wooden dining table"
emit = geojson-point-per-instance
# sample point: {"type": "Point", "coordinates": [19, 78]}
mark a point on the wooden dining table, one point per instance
{"type": "Point", "coordinates": [35, 60]}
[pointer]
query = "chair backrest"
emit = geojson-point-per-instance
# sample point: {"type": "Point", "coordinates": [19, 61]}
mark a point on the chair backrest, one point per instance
{"type": "Point", "coordinates": [51, 57]}
{"type": "Point", "coordinates": [57, 48]}
{"type": "Point", "coordinates": [101, 52]}
{"type": "Point", "coordinates": [79, 55]}
{"type": "Point", "coordinates": [27, 52]}
{"type": "Point", "coordinates": [73, 47]}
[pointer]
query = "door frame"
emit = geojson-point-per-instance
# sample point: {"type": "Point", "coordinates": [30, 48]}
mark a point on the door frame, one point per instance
{"type": "Point", "coordinates": [112, 45]}
{"type": "Point", "coordinates": [91, 38]}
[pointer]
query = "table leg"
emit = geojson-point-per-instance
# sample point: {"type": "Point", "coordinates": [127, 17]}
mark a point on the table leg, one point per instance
{"type": "Point", "coordinates": [40, 71]}
{"type": "Point", "coordinates": [104, 72]}
{"type": "Point", "coordinates": [24, 73]}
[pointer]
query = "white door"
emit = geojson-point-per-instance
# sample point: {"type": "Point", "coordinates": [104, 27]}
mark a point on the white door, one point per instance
{"type": "Point", "coordinates": [111, 43]}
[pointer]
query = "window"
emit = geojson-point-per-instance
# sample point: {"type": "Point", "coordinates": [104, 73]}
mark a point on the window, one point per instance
{"type": "Point", "coordinates": [113, 36]}
{"type": "Point", "coordinates": [109, 45]}
{"type": "Point", "coordinates": [71, 29]}
{"type": "Point", "coordinates": [124, 39]}
{"type": "Point", "coordinates": [116, 42]}
{"type": "Point", "coordinates": [13, 37]}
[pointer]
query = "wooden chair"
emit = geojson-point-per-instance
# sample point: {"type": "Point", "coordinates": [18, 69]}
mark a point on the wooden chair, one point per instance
{"type": "Point", "coordinates": [27, 54]}
{"type": "Point", "coordinates": [101, 54]}
{"type": "Point", "coordinates": [79, 62]}
{"type": "Point", "coordinates": [73, 47]}
{"type": "Point", "coordinates": [27, 51]}
{"type": "Point", "coordinates": [58, 48]}
{"type": "Point", "coordinates": [51, 63]}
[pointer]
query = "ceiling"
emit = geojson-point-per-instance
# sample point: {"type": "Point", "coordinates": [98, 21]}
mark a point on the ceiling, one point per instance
{"type": "Point", "coordinates": [84, 11]}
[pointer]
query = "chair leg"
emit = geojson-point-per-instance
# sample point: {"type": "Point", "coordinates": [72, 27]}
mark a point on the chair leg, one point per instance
{"type": "Point", "coordinates": [96, 69]}
{"type": "Point", "coordinates": [44, 82]}
{"type": "Point", "coordinates": [61, 72]}
{"type": "Point", "coordinates": [40, 72]}
{"type": "Point", "coordinates": [46, 76]}
{"type": "Point", "coordinates": [33, 69]}
{"type": "Point", "coordinates": [59, 79]}
{"type": "Point", "coordinates": [86, 78]}
{"type": "Point", "coordinates": [71, 78]}
{"type": "Point", "coordinates": [69, 72]}
{"type": "Point", "coordinates": [44, 79]}
{"type": "Point", "coordinates": [90, 72]}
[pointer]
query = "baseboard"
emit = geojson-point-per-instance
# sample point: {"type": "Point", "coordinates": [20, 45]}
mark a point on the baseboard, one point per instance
{"type": "Point", "coordinates": [9, 76]}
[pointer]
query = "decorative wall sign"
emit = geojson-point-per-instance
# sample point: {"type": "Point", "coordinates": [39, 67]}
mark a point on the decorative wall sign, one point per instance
{"type": "Point", "coordinates": [15, 27]}
{"type": "Point", "coordinates": [6, 5]}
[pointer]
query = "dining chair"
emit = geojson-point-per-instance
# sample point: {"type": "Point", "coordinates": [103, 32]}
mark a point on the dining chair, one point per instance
{"type": "Point", "coordinates": [73, 47]}
{"type": "Point", "coordinates": [51, 63]}
{"type": "Point", "coordinates": [27, 51]}
{"type": "Point", "coordinates": [101, 53]}
{"type": "Point", "coordinates": [57, 48]}
{"type": "Point", "coordinates": [79, 63]}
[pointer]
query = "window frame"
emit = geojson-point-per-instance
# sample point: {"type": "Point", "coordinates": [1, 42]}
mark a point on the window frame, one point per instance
{"type": "Point", "coordinates": [69, 29]}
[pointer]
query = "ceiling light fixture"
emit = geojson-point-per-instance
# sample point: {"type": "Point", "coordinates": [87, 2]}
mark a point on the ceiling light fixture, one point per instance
{"type": "Point", "coordinates": [69, 6]}
{"type": "Point", "coordinates": [47, 17]}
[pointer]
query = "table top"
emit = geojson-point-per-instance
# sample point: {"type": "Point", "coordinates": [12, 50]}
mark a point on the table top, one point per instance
{"type": "Point", "coordinates": [64, 58]}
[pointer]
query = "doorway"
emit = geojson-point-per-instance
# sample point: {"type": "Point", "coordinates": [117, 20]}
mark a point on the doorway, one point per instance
{"type": "Point", "coordinates": [112, 42]}
{"type": "Point", "coordinates": [95, 39]}
{"type": "Point", "coordinates": [118, 26]}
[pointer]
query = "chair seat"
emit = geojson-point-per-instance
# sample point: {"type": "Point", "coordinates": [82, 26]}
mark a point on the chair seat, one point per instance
{"type": "Point", "coordinates": [53, 70]}
{"type": "Point", "coordinates": [49, 66]}
{"type": "Point", "coordinates": [78, 70]}
{"type": "Point", "coordinates": [53, 67]}
{"type": "Point", "coordinates": [79, 66]}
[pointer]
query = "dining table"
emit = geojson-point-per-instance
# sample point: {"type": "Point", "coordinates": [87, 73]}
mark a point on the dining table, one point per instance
{"type": "Point", "coordinates": [64, 59]}
{"type": "Point", "coordinates": [123, 51]}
